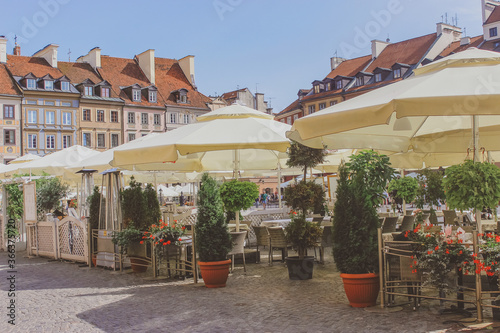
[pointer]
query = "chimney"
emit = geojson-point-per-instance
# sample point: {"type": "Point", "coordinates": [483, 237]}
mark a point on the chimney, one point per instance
{"type": "Point", "coordinates": [93, 58]}
{"type": "Point", "coordinates": [464, 41]}
{"type": "Point", "coordinates": [454, 33]}
{"type": "Point", "coordinates": [147, 63]}
{"type": "Point", "coordinates": [3, 49]}
{"type": "Point", "coordinates": [17, 50]}
{"type": "Point", "coordinates": [259, 102]}
{"type": "Point", "coordinates": [335, 62]}
{"type": "Point", "coordinates": [187, 66]}
{"type": "Point", "coordinates": [49, 53]}
{"type": "Point", "coordinates": [377, 47]}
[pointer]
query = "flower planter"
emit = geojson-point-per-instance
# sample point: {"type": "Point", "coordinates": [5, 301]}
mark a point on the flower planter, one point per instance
{"type": "Point", "coordinates": [215, 273]}
{"type": "Point", "coordinates": [300, 269]}
{"type": "Point", "coordinates": [361, 289]}
{"type": "Point", "coordinates": [139, 265]}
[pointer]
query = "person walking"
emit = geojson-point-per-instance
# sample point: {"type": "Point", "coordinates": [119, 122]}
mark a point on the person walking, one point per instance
{"type": "Point", "coordinates": [264, 199]}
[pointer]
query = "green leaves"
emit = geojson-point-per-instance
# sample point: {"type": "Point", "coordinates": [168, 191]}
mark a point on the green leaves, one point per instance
{"type": "Point", "coordinates": [406, 188]}
{"type": "Point", "coordinates": [49, 191]}
{"type": "Point", "coordinates": [237, 195]}
{"type": "Point", "coordinates": [304, 157]}
{"type": "Point", "coordinates": [305, 196]}
{"type": "Point", "coordinates": [472, 185]}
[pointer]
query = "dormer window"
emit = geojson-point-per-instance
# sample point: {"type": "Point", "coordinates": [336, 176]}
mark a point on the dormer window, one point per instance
{"type": "Point", "coordinates": [181, 95]}
{"type": "Point", "coordinates": [48, 85]}
{"type": "Point", "coordinates": [316, 89]}
{"type": "Point", "coordinates": [152, 96]}
{"type": "Point", "coordinates": [378, 77]}
{"type": "Point", "coordinates": [30, 83]}
{"type": "Point", "coordinates": [88, 91]}
{"type": "Point", "coordinates": [65, 85]}
{"type": "Point", "coordinates": [493, 32]}
{"type": "Point", "coordinates": [397, 73]}
{"type": "Point", "coordinates": [104, 92]}
{"type": "Point", "coordinates": [136, 95]}
{"type": "Point", "coordinates": [338, 84]}
{"type": "Point", "coordinates": [360, 81]}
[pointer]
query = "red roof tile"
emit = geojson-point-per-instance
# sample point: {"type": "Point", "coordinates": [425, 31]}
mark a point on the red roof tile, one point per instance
{"type": "Point", "coordinates": [491, 45]}
{"type": "Point", "coordinates": [232, 94]}
{"type": "Point", "coordinates": [169, 77]}
{"type": "Point", "coordinates": [494, 16]}
{"type": "Point", "coordinates": [7, 85]}
{"type": "Point", "coordinates": [372, 86]}
{"type": "Point", "coordinates": [322, 94]}
{"type": "Point", "coordinates": [350, 67]}
{"type": "Point", "coordinates": [21, 65]}
{"type": "Point", "coordinates": [456, 47]}
{"type": "Point", "coordinates": [406, 52]}
{"type": "Point", "coordinates": [294, 106]}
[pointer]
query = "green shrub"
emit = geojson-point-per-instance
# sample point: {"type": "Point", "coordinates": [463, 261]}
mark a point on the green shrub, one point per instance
{"type": "Point", "coordinates": [134, 206]}
{"type": "Point", "coordinates": [153, 212]}
{"type": "Point", "coordinates": [237, 195]}
{"type": "Point", "coordinates": [49, 192]}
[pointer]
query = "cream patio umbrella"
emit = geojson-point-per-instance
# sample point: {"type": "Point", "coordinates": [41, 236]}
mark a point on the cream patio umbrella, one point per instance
{"type": "Point", "coordinates": [25, 158]}
{"type": "Point", "coordinates": [231, 138]}
{"type": "Point", "coordinates": [442, 109]}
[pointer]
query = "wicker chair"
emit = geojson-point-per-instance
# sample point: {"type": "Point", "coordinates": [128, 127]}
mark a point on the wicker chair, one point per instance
{"type": "Point", "coordinates": [238, 247]}
{"type": "Point", "coordinates": [389, 224]}
{"type": "Point", "coordinates": [277, 241]}
{"type": "Point", "coordinates": [408, 222]}
{"type": "Point", "coordinates": [326, 241]}
{"type": "Point", "coordinates": [262, 238]}
{"type": "Point", "coordinates": [450, 217]}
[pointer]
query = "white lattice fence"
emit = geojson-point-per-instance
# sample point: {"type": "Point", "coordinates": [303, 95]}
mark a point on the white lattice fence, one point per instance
{"type": "Point", "coordinates": [72, 239]}
{"type": "Point", "coordinates": [45, 239]}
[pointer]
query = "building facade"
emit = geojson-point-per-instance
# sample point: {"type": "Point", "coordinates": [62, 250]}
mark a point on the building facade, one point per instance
{"type": "Point", "coordinates": [243, 97]}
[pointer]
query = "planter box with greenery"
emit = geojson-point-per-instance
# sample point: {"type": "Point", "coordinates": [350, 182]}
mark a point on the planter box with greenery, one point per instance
{"type": "Point", "coordinates": [213, 241]}
{"type": "Point", "coordinates": [360, 188]}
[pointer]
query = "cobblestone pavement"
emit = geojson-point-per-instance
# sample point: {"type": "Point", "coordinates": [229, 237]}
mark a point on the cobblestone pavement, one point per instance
{"type": "Point", "coordinates": [54, 296]}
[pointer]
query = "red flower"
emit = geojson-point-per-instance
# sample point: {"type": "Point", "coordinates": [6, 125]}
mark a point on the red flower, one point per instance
{"type": "Point", "coordinates": [165, 243]}
{"type": "Point", "coordinates": [142, 242]}
{"type": "Point", "coordinates": [168, 242]}
{"type": "Point", "coordinates": [436, 248]}
{"type": "Point", "coordinates": [183, 228]}
{"type": "Point", "coordinates": [180, 239]}
{"type": "Point", "coordinates": [429, 252]}
{"type": "Point", "coordinates": [497, 239]}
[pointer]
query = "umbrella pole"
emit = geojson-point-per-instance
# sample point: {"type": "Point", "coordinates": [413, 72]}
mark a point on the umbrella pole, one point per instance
{"type": "Point", "coordinates": [404, 201]}
{"type": "Point", "coordinates": [475, 136]}
{"type": "Point", "coordinates": [236, 171]}
{"type": "Point", "coordinates": [279, 185]}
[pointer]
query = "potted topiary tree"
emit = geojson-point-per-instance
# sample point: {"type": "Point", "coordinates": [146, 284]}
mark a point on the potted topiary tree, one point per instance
{"type": "Point", "coordinates": [430, 190]}
{"type": "Point", "coordinates": [303, 197]}
{"type": "Point", "coordinates": [360, 188]}
{"type": "Point", "coordinates": [237, 195]}
{"type": "Point", "coordinates": [405, 189]}
{"type": "Point", "coordinates": [213, 241]}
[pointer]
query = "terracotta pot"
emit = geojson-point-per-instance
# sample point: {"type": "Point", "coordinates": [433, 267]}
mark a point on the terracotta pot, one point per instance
{"type": "Point", "coordinates": [215, 273]}
{"type": "Point", "coordinates": [361, 289]}
{"type": "Point", "coordinates": [94, 260]}
{"type": "Point", "coordinates": [139, 265]}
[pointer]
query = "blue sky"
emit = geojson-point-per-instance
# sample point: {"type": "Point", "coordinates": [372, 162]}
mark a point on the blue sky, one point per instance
{"type": "Point", "coordinates": [275, 46]}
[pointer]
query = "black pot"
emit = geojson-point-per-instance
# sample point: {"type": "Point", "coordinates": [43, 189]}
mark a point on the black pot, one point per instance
{"type": "Point", "coordinates": [300, 269]}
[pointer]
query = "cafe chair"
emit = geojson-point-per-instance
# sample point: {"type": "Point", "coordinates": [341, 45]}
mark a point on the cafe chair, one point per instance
{"type": "Point", "coordinates": [238, 247]}
{"type": "Point", "coordinates": [277, 241]}
{"type": "Point", "coordinates": [262, 238]}
{"type": "Point", "coordinates": [389, 224]}
{"type": "Point", "coordinates": [450, 217]}
{"type": "Point", "coordinates": [408, 222]}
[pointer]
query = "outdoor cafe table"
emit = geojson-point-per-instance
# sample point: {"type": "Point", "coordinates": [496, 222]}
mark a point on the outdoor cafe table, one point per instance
{"type": "Point", "coordinates": [284, 222]}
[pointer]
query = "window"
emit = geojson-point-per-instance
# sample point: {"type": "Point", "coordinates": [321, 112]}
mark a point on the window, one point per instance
{"type": "Point", "coordinates": [328, 86]}
{"type": "Point", "coordinates": [65, 85]}
{"type": "Point", "coordinates": [183, 99]}
{"type": "Point", "coordinates": [86, 140]}
{"type": "Point", "coordinates": [8, 111]}
{"type": "Point", "coordinates": [322, 106]}
{"type": "Point", "coordinates": [88, 91]}
{"type": "Point", "coordinates": [50, 117]}
{"type": "Point", "coordinates": [65, 104]}
{"type": "Point", "coordinates": [51, 142]}
{"type": "Point", "coordinates": [152, 96]}
{"type": "Point", "coordinates": [295, 117]}
{"type": "Point", "coordinates": [186, 119]}
{"type": "Point", "coordinates": [136, 95]}
{"type": "Point", "coordinates": [32, 141]}
{"type": "Point", "coordinates": [289, 120]}
{"type": "Point", "coordinates": [51, 103]}
{"type": "Point", "coordinates": [316, 89]}
{"type": "Point", "coordinates": [32, 117]}
{"type": "Point", "coordinates": [31, 102]}
{"type": "Point", "coordinates": [114, 140]}
{"type": "Point", "coordinates": [66, 139]}
{"type": "Point", "coordinates": [131, 118]}
{"type": "Point", "coordinates": [131, 136]}
{"type": "Point", "coordinates": [378, 77]}
{"type": "Point", "coordinates": [312, 109]}
{"type": "Point", "coordinates": [30, 83]}
{"type": "Point", "coordinates": [360, 81]}
{"type": "Point", "coordinates": [333, 103]}
{"type": "Point", "coordinates": [114, 116]}
{"type": "Point", "coordinates": [493, 32]}
{"type": "Point", "coordinates": [104, 92]}
{"type": "Point", "coordinates": [66, 118]}
{"type": "Point", "coordinates": [48, 84]}
{"type": "Point", "coordinates": [144, 118]}
{"type": "Point", "coordinates": [100, 115]}
{"type": "Point", "coordinates": [338, 84]}
{"type": "Point", "coordinates": [9, 137]}
{"type": "Point", "coordinates": [157, 119]}
{"type": "Point", "coordinates": [86, 115]}
{"type": "Point", "coordinates": [397, 73]}
{"type": "Point", "coordinates": [173, 118]}
{"type": "Point", "coordinates": [101, 140]}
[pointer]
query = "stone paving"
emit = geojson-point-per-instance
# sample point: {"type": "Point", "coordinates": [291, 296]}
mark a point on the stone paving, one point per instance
{"type": "Point", "coordinates": [54, 296]}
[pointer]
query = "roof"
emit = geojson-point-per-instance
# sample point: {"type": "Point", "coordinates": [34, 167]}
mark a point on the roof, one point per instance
{"type": "Point", "coordinates": [170, 77]}
{"type": "Point", "coordinates": [408, 52]}
{"type": "Point", "coordinates": [491, 45]}
{"type": "Point", "coordinates": [350, 67]}
{"type": "Point", "coordinates": [294, 106]}
{"type": "Point", "coordinates": [494, 16]}
{"type": "Point", "coordinates": [7, 85]}
{"type": "Point", "coordinates": [456, 47]}
{"type": "Point", "coordinates": [322, 94]}
{"type": "Point", "coordinates": [122, 72]}
{"type": "Point", "coordinates": [232, 94]}
{"type": "Point", "coordinates": [22, 65]}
